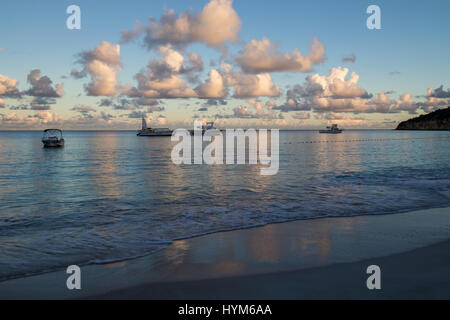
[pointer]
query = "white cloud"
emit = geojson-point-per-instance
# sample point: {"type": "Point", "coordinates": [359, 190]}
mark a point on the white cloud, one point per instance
{"type": "Point", "coordinates": [217, 23]}
{"type": "Point", "coordinates": [8, 86]}
{"type": "Point", "coordinates": [214, 87]}
{"type": "Point", "coordinates": [103, 65]}
{"type": "Point", "coordinates": [405, 103]}
{"type": "Point", "coordinates": [337, 84]}
{"type": "Point", "coordinates": [263, 56]}
{"type": "Point", "coordinates": [252, 85]}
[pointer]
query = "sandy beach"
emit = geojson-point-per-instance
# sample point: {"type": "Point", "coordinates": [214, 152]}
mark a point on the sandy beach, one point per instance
{"type": "Point", "coordinates": [309, 259]}
{"type": "Point", "coordinates": [417, 274]}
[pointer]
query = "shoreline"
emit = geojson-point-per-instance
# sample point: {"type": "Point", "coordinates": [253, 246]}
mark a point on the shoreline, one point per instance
{"type": "Point", "coordinates": [144, 255]}
{"type": "Point", "coordinates": [417, 274]}
{"type": "Point", "coordinates": [284, 251]}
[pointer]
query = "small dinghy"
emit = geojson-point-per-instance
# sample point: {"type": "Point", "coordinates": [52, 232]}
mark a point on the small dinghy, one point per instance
{"type": "Point", "coordinates": [53, 138]}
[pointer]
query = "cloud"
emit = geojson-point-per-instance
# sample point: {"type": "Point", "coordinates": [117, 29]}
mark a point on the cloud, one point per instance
{"type": "Point", "coordinates": [20, 107]}
{"type": "Point", "coordinates": [336, 84]}
{"type": "Point", "coordinates": [344, 120]}
{"type": "Point", "coordinates": [349, 59]}
{"type": "Point", "coordinates": [125, 104]}
{"type": "Point", "coordinates": [263, 56]}
{"type": "Point", "coordinates": [106, 102]}
{"type": "Point", "coordinates": [84, 110]}
{"type": "Point", "coordinates": [102, 64]}
{"type": "Point", "coordinates": [336, 91]}
{"type": "Point", "coordinates": [243, 112]}
{"type": "Point", "coordinates": [77, 74]}
{"type": "Point", "coordinates": [8, 87]}
{"type": "Point", "coordinates": [261, 111]}
{"type": "Point", "coordinates": [435, 99]}
{"type": "Point", "coordinates": [137, 115]}
{"type": "Point", "coordinates": [439, 93]}
{"type": "Point", "coordinates": [216, 102]}
{"type": "Point", "coordinates": [216, 24]}
{"type": "Point", "coordinates": [143, 101]}
{"type": "Point", "coordinates": [164, 78]}
{"type": "Point", "coordinates": [42, 86]}
{"type": "Point", "coordinates": [405, 103]}
{"type": "Point", "coordinates": [42, 103]}
{"type": "Point", "coordinates": [250, 85]}
{"type": "Point", "coordinates": [214, 87]}
{"type": "Point", "coordinates": [382, 104]}
{"type": "Point", "coordinates": [106, 116]}
{"type": "Point", "coordinates": [48, 117]}
{"type": "Point", "coordinates": [302, 116]}
{"type": "Point", "coordinates": [40, 107]}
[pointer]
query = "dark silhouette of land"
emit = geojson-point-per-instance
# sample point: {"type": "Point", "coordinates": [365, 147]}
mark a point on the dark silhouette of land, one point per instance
{"type": "Point", "coordinates": [437, 120]}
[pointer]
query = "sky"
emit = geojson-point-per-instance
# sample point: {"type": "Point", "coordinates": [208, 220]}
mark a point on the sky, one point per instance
{"type": "Point", "coordinates": [242, 63]}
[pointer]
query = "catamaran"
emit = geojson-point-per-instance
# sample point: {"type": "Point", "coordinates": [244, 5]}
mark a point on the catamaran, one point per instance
{"type": "Point", "coordinates": [153, 132]}
{"type": "Point", "coordinates": [333, 129]}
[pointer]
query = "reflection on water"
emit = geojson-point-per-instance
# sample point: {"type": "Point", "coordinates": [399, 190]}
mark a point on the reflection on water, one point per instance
{"type": "Point", "coordinates": [109, 196]}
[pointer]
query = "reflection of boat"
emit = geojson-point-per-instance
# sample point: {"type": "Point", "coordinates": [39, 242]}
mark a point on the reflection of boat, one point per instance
{"type": "Point", "coordinates": [153, 132]}
{"type": "Point", "coordinates": [333, 129]}
{"type": "Point", "coordinates": [53, 138]}
{"type": "Point", "coordinates": [209, 129]}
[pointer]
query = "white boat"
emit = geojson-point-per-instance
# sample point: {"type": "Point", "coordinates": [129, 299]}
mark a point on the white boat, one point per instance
{"type": "Point", "coordinates": [53, 138]}
{"type": "Point", "coordinates": [333, 129]}
{"type": "Point", "coordinates": [208, 129]}
{"type": "Point", "coordinates": [153, 132]}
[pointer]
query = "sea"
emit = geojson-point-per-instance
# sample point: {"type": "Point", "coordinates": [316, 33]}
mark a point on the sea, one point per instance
{"type": "Point", "coordinates": [112, 196]}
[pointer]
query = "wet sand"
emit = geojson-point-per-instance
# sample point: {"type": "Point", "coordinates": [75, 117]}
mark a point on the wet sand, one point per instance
{"type": "Point", "coordinates": [309, 259]}
{"type": "Point", "coordinates": [419, 274]}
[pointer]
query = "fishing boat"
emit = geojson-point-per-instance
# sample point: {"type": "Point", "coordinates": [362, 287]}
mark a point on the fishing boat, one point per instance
{"type": "Point", "coordinates": [153, 132]}
{"type": "Point", "coordinates": [53, 138]}
{"type": "Point", "coordinates": [332, 130]}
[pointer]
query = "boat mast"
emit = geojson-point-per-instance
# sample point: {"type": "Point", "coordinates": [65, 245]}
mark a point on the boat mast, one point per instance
{"type": "Point", "coordinates": [144, 123]}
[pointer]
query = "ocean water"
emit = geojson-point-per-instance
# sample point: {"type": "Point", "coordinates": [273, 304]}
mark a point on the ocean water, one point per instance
{"type": "Point", "coordinates": [110, 196]}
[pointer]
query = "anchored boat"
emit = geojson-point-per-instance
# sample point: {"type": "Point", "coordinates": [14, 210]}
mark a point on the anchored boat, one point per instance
{"type": "Point", "coordinates": [53, 138]}
{"type": "Point", "coordinates": [333, 129]}
{"type": "Point", "coordinates": [208, 129]}
{"type": "Point", "coordinates": [153, 132]}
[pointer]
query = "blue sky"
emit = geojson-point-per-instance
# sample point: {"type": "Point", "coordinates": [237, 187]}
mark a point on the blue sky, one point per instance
{"type": "Point", "coordinates": [408, 55]}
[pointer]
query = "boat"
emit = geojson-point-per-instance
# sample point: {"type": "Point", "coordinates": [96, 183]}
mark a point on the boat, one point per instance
{"type": "Point", "coordinates": [153, 132]}
{"type": "Point", "coordinates": [53, 138]}
{"type": "Point", "coordinates": [208, 129]}
{"type": "Point", "coordinates": [333, 129]}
